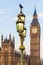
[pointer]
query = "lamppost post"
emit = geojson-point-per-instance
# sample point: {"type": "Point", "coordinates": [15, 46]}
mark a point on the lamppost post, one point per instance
{"type": "Point", "coordinates": [21, 48]}
{"type": "Point", "coordinates": [22, 32]}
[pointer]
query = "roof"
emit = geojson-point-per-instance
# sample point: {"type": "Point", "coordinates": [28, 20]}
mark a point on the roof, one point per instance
{"type": "Point", "coordinates": [35, 18]}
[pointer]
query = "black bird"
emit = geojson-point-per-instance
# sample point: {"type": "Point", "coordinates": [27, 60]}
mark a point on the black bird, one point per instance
{"type": "Point", "coordinates": [20, 6]}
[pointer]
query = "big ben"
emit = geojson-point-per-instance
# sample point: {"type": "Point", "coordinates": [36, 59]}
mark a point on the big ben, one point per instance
{"type": "Point", "coordinates": [35, 40]}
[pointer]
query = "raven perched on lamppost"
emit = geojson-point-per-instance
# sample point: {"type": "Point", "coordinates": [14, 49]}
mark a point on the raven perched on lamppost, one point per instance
{"type": "Point", "coordinates": [20, 7]}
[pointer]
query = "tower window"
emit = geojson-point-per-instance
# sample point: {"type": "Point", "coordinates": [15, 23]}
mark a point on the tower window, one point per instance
{"type": "Point", "coordinates": [6, 59]}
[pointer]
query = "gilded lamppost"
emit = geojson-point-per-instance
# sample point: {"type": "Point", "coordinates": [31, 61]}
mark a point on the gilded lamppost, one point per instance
{"type": "Point", "coordinates": [22, 32]}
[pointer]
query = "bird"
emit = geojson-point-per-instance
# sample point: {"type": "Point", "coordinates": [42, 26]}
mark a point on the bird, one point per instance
{"type": "Point", "coordinates": [20, 6]}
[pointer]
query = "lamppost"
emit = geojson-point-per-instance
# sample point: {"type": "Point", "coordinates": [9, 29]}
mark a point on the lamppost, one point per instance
{"type": "Point", "coordinates": [22, 32]}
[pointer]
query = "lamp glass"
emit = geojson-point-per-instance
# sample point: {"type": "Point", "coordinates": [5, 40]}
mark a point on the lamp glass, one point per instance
{"type": "Point", "coordinates": [24, 33]}
{"type": "Point", "coordinates": [20, 27]}
{"type": "Point", "coordinates": [22, 18]}
{"type": "Point", "coordinates": [19, 18]}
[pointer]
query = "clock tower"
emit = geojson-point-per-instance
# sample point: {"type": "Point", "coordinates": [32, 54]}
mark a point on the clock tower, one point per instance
{"type": "Point", "coordinates": [35, 40]}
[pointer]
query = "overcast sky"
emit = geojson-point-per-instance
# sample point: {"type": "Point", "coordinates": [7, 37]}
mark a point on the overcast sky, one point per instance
{"type": "Point", "coordinates": [9, 9]}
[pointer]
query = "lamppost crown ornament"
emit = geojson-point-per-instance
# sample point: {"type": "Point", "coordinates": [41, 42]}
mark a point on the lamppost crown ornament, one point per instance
{"type": "Point", "coordinates": [21, 15]}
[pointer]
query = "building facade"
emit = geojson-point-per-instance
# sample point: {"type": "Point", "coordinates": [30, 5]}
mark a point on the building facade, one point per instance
{"type": "Point", "coordinates": [8, 54]}
{"type": "Point", "coordinates": [35, 40]}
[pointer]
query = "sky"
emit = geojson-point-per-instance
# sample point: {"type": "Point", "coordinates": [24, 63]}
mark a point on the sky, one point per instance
{"type": "Point", "coordinates": [9, 9]}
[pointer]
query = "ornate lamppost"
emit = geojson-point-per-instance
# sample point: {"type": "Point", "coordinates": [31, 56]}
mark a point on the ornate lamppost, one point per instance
{"type": "Point", "coordinates": [22, 32]}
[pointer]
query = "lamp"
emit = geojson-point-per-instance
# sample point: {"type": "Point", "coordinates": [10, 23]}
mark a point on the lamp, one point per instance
{"type": "Point", "coordinates": [21, 17]}
{"type": "Point", "coordinates": [19, 26]}
{"type": "Point", "coordinates": [20, 22]}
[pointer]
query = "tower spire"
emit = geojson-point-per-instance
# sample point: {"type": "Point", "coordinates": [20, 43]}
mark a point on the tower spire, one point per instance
{"type": "Point", "coordinates": [2, 38]}
{"type": "Point", "coordinates": [35, 14]}
{"type": "Point", "coordinates": [35, 18]}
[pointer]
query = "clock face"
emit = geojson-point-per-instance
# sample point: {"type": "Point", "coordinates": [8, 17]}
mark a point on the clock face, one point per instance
{"type": "Point", "coordinates": [5, 49]}
{"type": "Point", "coordinates": [34, 30]}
